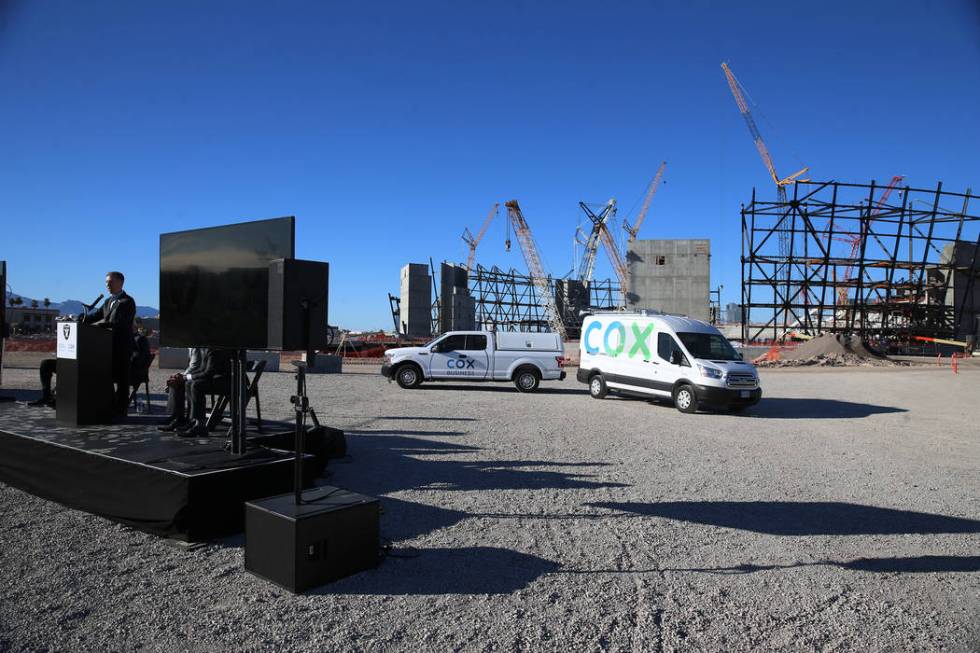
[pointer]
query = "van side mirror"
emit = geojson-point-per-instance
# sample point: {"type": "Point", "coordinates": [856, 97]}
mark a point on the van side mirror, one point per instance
{"type": "Point", "coordinates": [675, 357]}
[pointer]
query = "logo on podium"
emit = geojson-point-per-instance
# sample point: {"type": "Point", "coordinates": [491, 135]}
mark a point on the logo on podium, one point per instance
{"type": "Point", "coordinates": [68, 343]}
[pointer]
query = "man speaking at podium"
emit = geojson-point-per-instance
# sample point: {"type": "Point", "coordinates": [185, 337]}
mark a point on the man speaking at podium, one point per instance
{"type": "Point", "coordinates": [117, 312]}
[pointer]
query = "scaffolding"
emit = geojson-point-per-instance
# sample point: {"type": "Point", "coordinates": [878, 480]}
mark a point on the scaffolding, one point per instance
{"type": "Point", "coordinates": [859, 261]}
{"type": "Point", "coordinates": [510, 301]}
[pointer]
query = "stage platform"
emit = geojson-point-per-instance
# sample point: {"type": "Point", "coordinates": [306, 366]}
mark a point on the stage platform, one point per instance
{"type": "Point", "coordinates": [184, 488]}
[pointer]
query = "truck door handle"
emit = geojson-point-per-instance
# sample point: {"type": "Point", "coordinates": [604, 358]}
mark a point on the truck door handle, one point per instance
{"type": "Point", "coordinates": [462, 355]}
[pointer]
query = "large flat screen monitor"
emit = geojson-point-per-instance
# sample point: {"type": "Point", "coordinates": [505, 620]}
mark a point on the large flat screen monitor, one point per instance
{"type": "Point", "coordinates": [214, 283]}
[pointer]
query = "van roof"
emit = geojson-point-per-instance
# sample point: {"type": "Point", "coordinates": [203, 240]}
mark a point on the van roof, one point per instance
{"type": "Point", "coordinates": [677, 323]}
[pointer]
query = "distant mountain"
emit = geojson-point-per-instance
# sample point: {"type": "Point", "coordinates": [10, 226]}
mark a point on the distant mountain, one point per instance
{"type": "Point", "coordinates": [74, 306]}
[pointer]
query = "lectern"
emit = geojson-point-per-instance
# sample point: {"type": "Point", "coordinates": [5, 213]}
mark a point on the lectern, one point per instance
{"type": "Point", "coordinates": [85, 392]}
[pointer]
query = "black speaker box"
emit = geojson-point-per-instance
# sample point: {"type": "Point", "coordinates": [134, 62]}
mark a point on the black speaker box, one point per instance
{"type": "Point", "coordinates": [332, 534]}
{"type": "Point", "coordinates": [293, 282]}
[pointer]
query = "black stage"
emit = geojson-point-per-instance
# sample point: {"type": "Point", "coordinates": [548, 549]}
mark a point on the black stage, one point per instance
{"type": "Point", "coordinates": [188, 489]}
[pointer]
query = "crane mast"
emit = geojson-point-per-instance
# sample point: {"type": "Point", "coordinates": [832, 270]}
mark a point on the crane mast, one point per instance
{"type": "Point", "coordinates": [651, 191]}
{"type": "Point", "coordinates": [534, 266]}
{"type": "Point", "coordinates": [472, 241]}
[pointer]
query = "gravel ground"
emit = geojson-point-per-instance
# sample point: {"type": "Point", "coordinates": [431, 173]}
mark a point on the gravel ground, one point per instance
{"type": "Point", "coordinates": [840, 514]}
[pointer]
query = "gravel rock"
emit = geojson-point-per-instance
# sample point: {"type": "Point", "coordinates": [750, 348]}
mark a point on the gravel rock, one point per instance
{"type": "Point", "coordinates": [839, 514]}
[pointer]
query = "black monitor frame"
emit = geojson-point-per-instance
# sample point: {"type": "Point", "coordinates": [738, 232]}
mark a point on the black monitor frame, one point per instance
{"type": "Point", "coordinates": [206, 305]}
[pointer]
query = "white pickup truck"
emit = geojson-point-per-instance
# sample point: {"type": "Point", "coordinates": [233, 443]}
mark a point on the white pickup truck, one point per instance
{"type": "Point", "coordinates": [524, 358]}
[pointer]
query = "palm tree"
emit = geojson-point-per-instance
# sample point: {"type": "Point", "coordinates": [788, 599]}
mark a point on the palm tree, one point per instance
{"type": "Point", "coordinates": [33, 303]}
{"type": "Point", "coordinates": [47, 302]}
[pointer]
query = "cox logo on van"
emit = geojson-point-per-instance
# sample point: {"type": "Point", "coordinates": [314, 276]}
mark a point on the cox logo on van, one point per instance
{"type": "Point", "coordinates": [613, 340]}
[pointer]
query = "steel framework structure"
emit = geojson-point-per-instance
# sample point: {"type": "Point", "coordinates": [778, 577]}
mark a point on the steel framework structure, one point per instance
{"type": "Point", "coordinates": [901, 281]}
{"type": "Point", "coordinates": [510, 301]}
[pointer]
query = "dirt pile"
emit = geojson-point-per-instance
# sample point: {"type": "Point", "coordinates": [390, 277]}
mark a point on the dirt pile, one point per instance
{"type": "Point", "coordinates": [831, 350]}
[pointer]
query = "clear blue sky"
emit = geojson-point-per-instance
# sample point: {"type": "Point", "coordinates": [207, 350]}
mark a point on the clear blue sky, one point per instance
{"type": "Point", "coordinates": [387, 128]}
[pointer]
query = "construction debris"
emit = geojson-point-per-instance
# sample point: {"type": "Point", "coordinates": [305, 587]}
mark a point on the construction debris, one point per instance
{"type": "Point", "coordinates": [831, 350]}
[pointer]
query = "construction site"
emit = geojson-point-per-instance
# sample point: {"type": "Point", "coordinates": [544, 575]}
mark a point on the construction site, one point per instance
{"type": "Point", "coordinates": [892, 265]}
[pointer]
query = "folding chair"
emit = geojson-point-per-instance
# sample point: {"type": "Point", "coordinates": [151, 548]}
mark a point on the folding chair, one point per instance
{"type": "Point", "coordinates": [144, 380]}
{"type": "Point", "coordinates": [251, 392]}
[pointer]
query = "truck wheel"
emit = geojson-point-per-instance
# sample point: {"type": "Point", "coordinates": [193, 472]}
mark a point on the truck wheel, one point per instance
{"type": "Point", "coordinates": [685, 399]}
{"type": "Point", "coordinates": [408, 377]}
{"type": "Point", "coordinates": [597, 387]}
{"type": "Point", "coordinates": [527, 379]}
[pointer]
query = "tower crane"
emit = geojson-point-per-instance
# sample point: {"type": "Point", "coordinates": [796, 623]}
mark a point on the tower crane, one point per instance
{"type": "Point", "coordinates": [591, 245]}
{"type": "Point", "coordinates": [651, 191]}
{"type": "Point", "coordinates": [472, 241]}
{"type": "Point", "coordinates": [534, 266]}
{"type": "Point", "coordinates": [743, 107]}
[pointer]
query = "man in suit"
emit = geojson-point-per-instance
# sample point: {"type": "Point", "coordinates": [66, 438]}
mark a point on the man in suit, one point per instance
{"type": "Point", "coordinates": [213, 378]}
{"type": "Point", "coordinates": [117, 313]}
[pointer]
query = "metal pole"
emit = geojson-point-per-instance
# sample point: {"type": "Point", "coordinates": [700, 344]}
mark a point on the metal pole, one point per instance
{"type": "Point", "coordinates": [237, 403]}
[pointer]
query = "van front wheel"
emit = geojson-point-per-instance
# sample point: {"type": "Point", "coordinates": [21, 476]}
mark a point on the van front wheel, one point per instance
{"type": "Point", "coordinates": [597, 387]}
{"type": "Point", "coordinates": [685, 399]}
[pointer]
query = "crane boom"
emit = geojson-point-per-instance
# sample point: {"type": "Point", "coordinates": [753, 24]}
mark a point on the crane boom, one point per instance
{"type": "Point", "coordinates": [587, 266]}
{"type": "Point", "coordinates": [651, 191]}
{"type": "Point", "coordinates": [534, 266]}
{"type": "Point", "coordinates": [760, 144]}
{"type": "Point", "coordinates": [615, 258]}
{"type": "Point", "coordinates": [473, 241]}
{"type": "Point", "coordinates": [600, 230]}
{"type": "Point", "coordinates": [857, 241]}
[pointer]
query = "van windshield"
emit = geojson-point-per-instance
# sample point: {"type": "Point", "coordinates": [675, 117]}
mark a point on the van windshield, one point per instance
{"type": "Point", "coordinates": [710, 346]}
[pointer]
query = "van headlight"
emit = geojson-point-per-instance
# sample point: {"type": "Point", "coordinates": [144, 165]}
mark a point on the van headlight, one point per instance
{"type": "Point", "coordinates": [711, 372]}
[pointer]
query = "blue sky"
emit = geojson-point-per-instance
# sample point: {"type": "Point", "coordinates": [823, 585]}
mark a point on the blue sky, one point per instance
{"type": "Point", "coordinates": [387, 128]}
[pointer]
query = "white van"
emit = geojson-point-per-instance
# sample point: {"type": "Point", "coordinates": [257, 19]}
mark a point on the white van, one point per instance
{"type": "Point", "coordinates": [669, 356]}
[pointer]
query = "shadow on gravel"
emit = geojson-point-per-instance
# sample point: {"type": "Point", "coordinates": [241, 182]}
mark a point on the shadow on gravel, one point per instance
{"type": "Point", "coordinates": [911, 565]}
{"type": "Point", "coordinates": [373, 432]}
{"type": "Point", "coordinates": [786, 408]}
{"type": "Point", "coordinates": [465, 570]}
{"type": "Point", "coordinates": [482, 387]}
{"type": "Point", "coordinates": [429, 419]}
{"type": "Point", "coordinates": [400, 460]}
{"type": "Point", "coordinates": [804, 518]}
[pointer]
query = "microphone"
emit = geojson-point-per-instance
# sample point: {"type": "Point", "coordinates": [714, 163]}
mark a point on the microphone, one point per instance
{"type": "Point", "coordinates": [88, 307]}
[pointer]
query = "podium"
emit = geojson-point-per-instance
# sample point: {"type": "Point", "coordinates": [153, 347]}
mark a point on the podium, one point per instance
{"type": "Point", "coordinates": [85, 392]}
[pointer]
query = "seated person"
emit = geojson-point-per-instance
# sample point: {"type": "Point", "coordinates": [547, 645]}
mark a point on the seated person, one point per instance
{"type": "Point", "coordinates": [176, 407]}
{"type": "Point", "coordinates": [214, 378]}
{"type": "Point", "coordinates": [49, 367]}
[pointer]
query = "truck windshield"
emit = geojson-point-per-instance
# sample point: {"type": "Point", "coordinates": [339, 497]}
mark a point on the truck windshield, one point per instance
{"type": "Point", "coordinates": [710, 346]}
